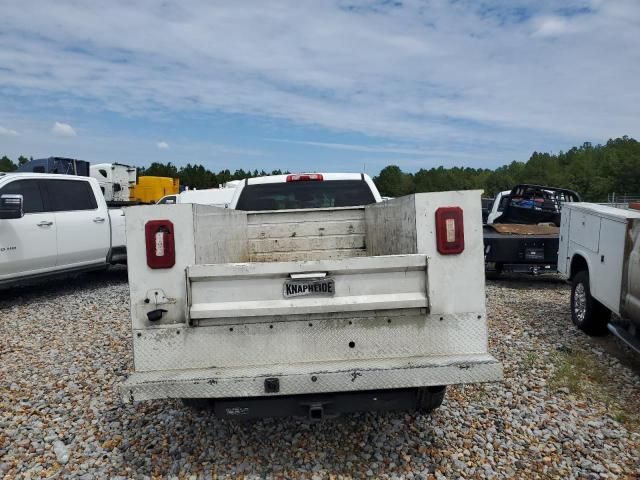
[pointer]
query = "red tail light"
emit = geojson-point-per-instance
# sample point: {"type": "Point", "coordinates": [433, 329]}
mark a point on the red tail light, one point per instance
{"type": "Point", "coordinates": [305, 177]}
{"type": "Point", "coordinates": [450, 230]}
{"type": "Point", "coordinates": [159, 238]}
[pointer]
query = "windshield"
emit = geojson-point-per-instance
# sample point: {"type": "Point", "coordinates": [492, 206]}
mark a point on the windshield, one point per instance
{"type": "Point", "coordinates": [306, 194]}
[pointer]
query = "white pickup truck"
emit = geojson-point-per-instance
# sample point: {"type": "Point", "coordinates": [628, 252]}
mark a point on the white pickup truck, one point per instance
{"type": "Point", "coordinates": [52, 224]}
{"type": "Point", "coordinates": [309, 297]}
{"type": "Point", "coordinates": [218, 197]}
{"type": "Point", "coordinates": [600, 255]}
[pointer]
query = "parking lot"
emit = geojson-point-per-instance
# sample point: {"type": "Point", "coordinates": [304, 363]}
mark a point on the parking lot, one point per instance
{"type": "Point", "coordinates": [569, 406]}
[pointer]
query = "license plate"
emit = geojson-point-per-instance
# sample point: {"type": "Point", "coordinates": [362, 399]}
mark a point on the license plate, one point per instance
{"type": "Point", "coordinates": [310, 287]}
{"type": "Point", "coordinates": [534, 254]}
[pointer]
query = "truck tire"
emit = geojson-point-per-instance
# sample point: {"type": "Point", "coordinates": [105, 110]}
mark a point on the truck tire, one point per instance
{"type": "Point", "coordinates": [430, 398]}
{"type": "Point", "coordinates": [494, 274]}
{"type": "Point", "coordinates": [588, 314]}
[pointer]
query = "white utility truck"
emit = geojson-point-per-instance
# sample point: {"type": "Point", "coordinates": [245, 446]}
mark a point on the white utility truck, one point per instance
{"type": "Point", "coordinates": [600, 255]}
{"type": "Point", "coordinates": [218, 197]}
{"type": "Point", "coordinates": [115, 180]}
{"type": "Point", "coordinates": [52, 224]}
{"type": "Point", "coordinates": [309, 297]}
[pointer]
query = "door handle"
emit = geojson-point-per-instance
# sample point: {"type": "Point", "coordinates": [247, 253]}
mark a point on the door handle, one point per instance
{"type": "Point", "coordinates": [45, 224]}
{"type": "Point", "coordinates": [98, 219]}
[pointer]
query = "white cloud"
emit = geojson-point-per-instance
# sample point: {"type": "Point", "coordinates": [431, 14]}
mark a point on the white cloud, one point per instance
{"type": "Point", "coordinates": [162, 145]}
{"type": "Point", "coordinates": [445, 74]}
{"type": "Point", "coordinates": [8, 132]}
{"type": "Point", "coordinates": [552, 27]}
{"type": "Point", "coordinates": [63, 130]}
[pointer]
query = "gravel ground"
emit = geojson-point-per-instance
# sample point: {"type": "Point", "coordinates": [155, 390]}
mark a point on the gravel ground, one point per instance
{"type": "Point", "coordinates": [568, 407]}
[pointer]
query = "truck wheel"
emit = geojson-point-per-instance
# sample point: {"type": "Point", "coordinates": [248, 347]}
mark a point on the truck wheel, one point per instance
{"type": "Point", "coordinates": [494, 274]}
{"type": "Point", "coordinates": [430, 398]}
{"type": "Point", "coordinates": [588, 314]}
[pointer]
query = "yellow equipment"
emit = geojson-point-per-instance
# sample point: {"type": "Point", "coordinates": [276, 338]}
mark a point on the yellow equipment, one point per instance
{"type": "Point", "coordinates": [152, 189]}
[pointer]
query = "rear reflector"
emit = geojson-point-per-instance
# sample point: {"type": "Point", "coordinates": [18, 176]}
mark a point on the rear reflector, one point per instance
{"type": "Point", "coordinates": [450, 230]}
{"type": "Point", "coordinates": [160, 243]}
{"type": "Point", "coordinates": [305, 177]}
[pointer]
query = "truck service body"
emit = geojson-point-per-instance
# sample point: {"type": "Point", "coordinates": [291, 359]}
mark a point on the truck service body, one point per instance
{"type": "Point", "coordinates": [600, 256]}
{"type": "Point", "coordinates": [301, 299]}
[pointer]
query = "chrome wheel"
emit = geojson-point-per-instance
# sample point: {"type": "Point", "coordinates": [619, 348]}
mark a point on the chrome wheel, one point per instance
{"type": "Point", "coordinates": [580, 302]}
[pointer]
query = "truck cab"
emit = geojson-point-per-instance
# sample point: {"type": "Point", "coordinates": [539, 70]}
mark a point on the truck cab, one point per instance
{"type": "Point", "coordinates": [307, 190]}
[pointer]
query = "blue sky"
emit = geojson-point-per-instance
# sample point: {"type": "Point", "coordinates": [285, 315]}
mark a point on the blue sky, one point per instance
{"type": "Point", "coordinates": [316, 85]}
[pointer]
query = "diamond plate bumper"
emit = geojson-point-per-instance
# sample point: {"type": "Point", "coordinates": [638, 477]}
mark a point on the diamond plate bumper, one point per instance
{"type": "Point", "coordinates": [322, 377]}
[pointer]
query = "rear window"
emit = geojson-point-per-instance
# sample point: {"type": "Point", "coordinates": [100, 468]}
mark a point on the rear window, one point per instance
{"type": "Point", "coordinates": [305, 194]}
{"type": "Point", "coordinates": [67, 195]}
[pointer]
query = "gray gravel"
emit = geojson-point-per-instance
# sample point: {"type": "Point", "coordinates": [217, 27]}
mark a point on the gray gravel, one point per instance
{"type": "Point", "coordinates": [568, 407]}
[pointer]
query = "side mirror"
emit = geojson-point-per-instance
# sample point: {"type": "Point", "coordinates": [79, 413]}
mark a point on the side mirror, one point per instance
{"type": "Point", "coordinates": [11, 206]}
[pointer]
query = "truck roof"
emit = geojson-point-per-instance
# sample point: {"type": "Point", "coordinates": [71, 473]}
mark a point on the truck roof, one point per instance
{"type": "Point", "coordinates": [55, 176]}
{"type": "Point", "coordinates": [325, 176]}
{"type": "Point", "coordinates": [615, 213]}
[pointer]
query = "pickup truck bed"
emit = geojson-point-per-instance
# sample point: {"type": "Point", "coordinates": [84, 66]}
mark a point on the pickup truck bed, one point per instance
{"type": "Point", "coordinates": [523, 253]}
{"type": "Point", "coordinates": [238, 323]}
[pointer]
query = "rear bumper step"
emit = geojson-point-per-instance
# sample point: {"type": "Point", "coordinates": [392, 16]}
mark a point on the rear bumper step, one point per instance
{"type": "Point", "coordinates": [309, 378]}
{"type": "Point", "coordinates": [315, 407]}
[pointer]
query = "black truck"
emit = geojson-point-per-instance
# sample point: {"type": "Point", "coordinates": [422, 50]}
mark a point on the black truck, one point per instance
{"type": "Point", "coordinates": [525, 238]}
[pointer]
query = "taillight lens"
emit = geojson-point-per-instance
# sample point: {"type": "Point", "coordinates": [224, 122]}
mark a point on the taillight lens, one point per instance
{"type": "Point", "coordinates": [160, 243]}
{"type": "Point", "coordinates": [305, 177]}
{"type": "Point", "coordinates": [450, 230]}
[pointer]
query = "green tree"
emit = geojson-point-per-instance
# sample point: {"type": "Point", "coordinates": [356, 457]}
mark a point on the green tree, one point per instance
{"type": "Point", "coordinates": [6, 165]}
{"type": "Point", "coordinates": [196, 176]}
{"type": "Point", "coordinates": [157, 169]}
{"type": "Point", "coordinates": [393, 182]}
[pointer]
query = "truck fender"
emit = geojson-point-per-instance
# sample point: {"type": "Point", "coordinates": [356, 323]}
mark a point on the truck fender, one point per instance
{"type": "Point", "coordinates": [579, 260]}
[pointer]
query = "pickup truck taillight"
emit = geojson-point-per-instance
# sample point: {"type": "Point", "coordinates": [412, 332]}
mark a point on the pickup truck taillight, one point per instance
{"type": "Point", "coordinates": [450, 230]}
{"type": "Point", "coordinates": [161, 251]}
{"type": "Point", "coordinates": [305, 177]}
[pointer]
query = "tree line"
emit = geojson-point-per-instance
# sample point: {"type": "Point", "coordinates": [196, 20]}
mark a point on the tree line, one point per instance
{"type": "Point", "coordinates": [7, 165]}
{"type": "Point", "coordinates": [594, 171]}
{"type": "Point", "coordinates": [197, 176]}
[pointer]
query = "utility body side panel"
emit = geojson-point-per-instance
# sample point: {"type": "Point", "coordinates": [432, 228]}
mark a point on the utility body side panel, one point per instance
{"type": "Point", "coordinates": [606, 277]}
{"type": "Point", "coordinates": [606, 239]}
